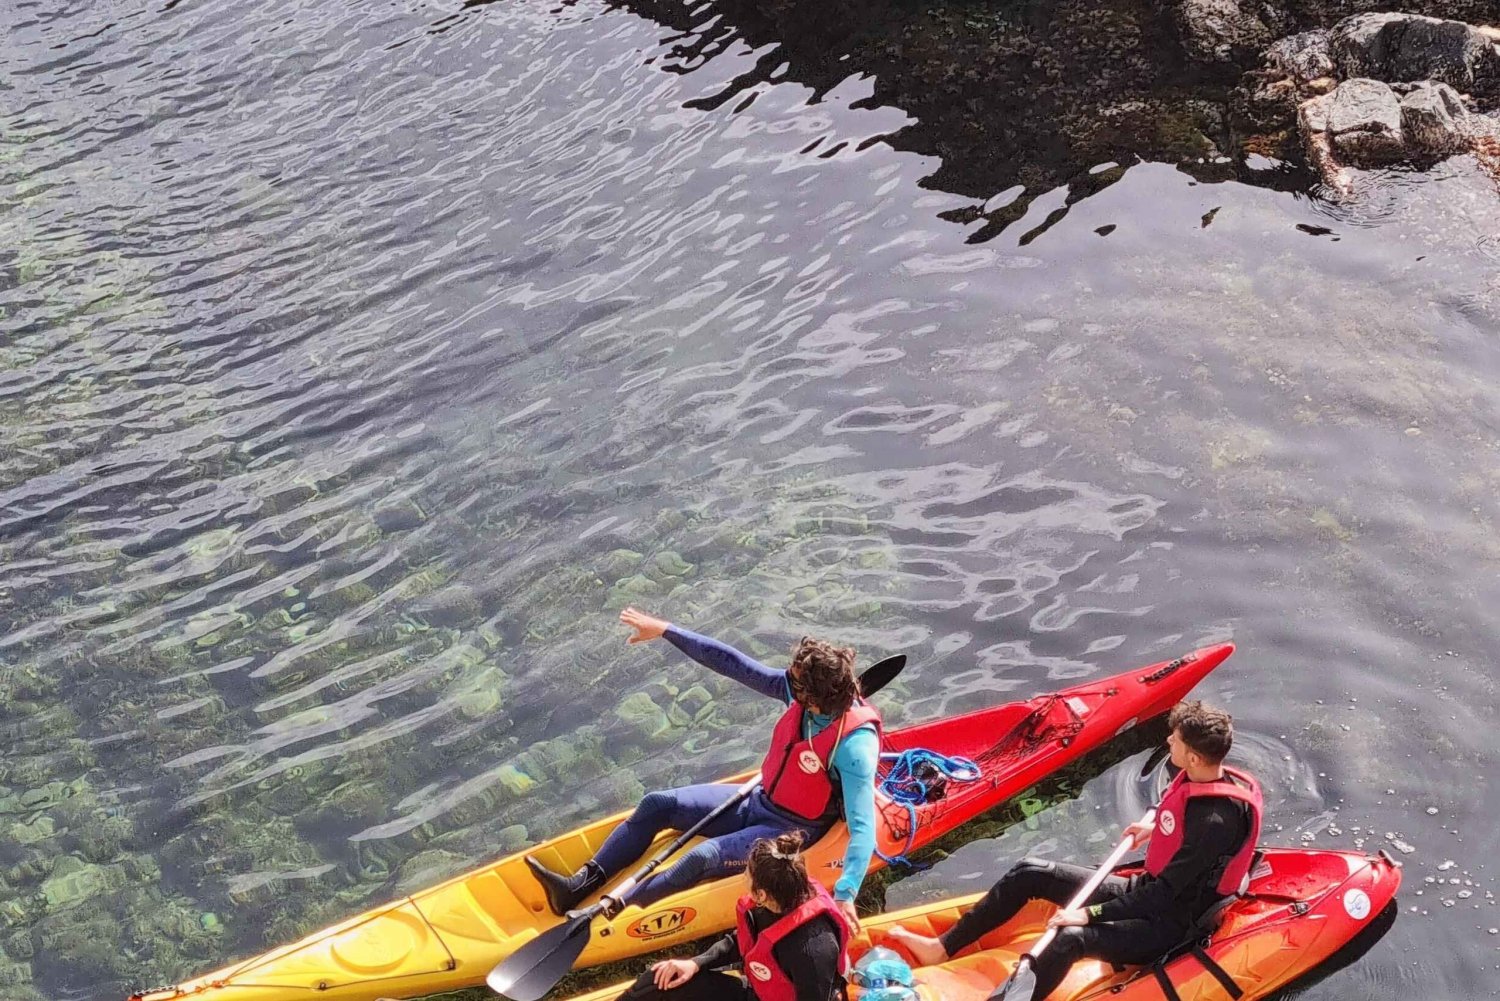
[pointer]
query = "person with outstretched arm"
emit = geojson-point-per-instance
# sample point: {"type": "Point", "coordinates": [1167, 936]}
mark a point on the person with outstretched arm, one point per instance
{"type": "Point", "coordinates": [821, 766]}
{"type": "Point", "coordinates": [789, 938]}
{"type": "Point", "coordinates": [1200, 850]}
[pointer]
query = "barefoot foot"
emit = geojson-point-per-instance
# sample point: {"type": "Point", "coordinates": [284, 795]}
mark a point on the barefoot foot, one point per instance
{"type": "Point", "coordinates": [926, 951]}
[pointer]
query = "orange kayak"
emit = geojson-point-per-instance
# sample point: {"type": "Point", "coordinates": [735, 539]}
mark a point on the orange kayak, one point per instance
{"type": "Point", "coordinates": [451, 935]}
{"type": "Point", "coordinates": [1301, 908]}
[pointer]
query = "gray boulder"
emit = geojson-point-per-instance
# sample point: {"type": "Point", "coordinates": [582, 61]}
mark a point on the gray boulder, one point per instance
{"type": "Point", "coordinates": [1364, 123]}
{"type": "Point", "coordinates": [1406, 47]}
{"type": "Point", "coordinates": [1433, 119]}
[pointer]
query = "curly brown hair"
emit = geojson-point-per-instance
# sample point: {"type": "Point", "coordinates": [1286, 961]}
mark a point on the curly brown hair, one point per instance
{"type": "Point", "coordinates": [776, 867]}
{"type": "Point", "coordinates": [825, 676]}
{"type": "Point", "coordinates": [1206, 730]}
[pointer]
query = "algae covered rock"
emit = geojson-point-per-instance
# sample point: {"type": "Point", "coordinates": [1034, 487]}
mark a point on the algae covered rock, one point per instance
{"type": "Point", "coordinates": [618, 564]}
{"type": "Point", "coordinates": [636, 590]}
{"type": "Point", "coordinates": [667, 565]}
{"type": "Point", "coordinates": [647, 719]}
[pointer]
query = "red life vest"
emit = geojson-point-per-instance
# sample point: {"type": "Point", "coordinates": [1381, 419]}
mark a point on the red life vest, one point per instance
{"type": "Point", "coordinates": [765, 976]}
{"type": "Point", "coordinates": [1166, 839]}
{"type": "Point", "coordinates": [794, 775]}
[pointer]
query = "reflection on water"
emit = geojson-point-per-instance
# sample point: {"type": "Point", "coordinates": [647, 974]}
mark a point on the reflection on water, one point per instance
{"type": "Point", "coordinates": [356, 366]}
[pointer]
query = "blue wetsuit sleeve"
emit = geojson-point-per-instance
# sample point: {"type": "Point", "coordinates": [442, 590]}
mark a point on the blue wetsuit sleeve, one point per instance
{"type": "Point", "coordinates": [721, 658]}
{"type": "Point", "coordinates": [856, 758]}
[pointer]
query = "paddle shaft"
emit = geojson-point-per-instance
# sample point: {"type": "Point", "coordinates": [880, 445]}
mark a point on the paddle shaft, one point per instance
{"type": "Point", "coordinates": [620, 892]}
{"type": "Point", "coordinates": [1088, 888]}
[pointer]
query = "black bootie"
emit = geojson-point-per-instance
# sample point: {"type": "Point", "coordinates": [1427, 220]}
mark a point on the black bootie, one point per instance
{"type": "Point", "coordinates": [564, 892]}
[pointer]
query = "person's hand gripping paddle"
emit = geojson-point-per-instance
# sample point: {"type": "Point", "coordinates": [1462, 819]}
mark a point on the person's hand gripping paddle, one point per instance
{"type": "Point", "coordinates": [1021, 984]}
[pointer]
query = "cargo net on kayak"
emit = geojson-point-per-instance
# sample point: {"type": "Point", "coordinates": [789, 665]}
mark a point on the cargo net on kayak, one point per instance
{"type": "Point", "coordinates": [919, 777]}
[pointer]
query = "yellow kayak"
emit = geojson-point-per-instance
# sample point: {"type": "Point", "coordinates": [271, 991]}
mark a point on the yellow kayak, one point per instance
{"type": "Point", "coordinates": [450, 936]}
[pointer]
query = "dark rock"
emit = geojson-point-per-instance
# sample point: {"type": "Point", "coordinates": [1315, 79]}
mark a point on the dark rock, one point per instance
{"type": "Point", "coordinates": [1407, 47]}
{"type": "Point", "coordinates": [1302, 57]}
{"type": "Point", "coordinates": [1221, 31]}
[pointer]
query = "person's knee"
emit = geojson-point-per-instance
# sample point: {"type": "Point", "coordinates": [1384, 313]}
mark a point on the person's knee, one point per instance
{"type": "Point", "coordinates": [654, 807]}
{"type": "Point", "coordinates": [1070, 944]}
{"type": "Point", "coordinates": [697, 864]}
{"type": "Point", "coordinates": [1029, 876]}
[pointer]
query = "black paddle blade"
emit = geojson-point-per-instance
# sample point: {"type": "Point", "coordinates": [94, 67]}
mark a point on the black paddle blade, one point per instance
{"type": "Point", "coordinates": [1019, 986]}
{"type": "Point", "coordinates": [536, 967]}
{"type": "Point", "coordinates": [880, 674]}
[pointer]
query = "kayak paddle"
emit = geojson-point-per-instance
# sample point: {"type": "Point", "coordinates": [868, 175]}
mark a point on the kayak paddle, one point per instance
{"type": "Point", "coordinates": [533, 969]}
{"type": "Point", "coordinates": [1021, 984]}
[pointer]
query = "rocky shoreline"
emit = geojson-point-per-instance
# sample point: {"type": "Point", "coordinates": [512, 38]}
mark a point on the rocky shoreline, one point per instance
{"type": "Point", "coordinates": [1378, 89]}
{"type": "Point", "coordinates": [1032, 97]}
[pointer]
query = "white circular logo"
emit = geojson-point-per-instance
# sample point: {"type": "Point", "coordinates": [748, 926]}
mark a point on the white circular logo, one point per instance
{"type": "Point", "coordinates": [760, 971]}
{"type": "Point", "coordinates": [808, 762]}
{"type": "Point", "coordinates": [1168, 823]}
{"type": "Point", "coordinates": [1357, 903]}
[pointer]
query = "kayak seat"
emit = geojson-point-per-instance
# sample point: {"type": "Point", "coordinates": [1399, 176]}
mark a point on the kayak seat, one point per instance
{"type": "Point", "coordinates": [1195, 944]}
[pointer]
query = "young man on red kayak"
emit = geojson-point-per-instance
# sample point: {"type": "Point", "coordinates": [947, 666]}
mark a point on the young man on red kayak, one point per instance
{"type": "Point", "coordinates": [789, 938]}
{"type": "Point", "coordinates": [821, 766]}
{"type": "Point", "coordinates": [1201, 848]}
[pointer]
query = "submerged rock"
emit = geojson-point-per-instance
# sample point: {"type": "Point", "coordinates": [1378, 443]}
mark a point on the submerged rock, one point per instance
{"type": "Point", "coordinates": [645, 717]}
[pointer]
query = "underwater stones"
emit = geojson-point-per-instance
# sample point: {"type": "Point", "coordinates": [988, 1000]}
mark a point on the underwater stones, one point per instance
{"type": "Point", "coordinates": [644, 717]}
{"type": "Point", "coordinates": [667, 565]}
{"type": "Point", "coordinates": [400, 516]}
{"type": "Point", "coordinates": [513, 780]}
{"type": "Point", "coordinates": [63, 890]}
{"type": "Point", "coordinates": [14, 974]}
{"type": "Point", "coordinates": [634, 590]}
{"type": "Point", "coordinates": [428, 867]}
{"type": "Point", "coordinates": [511, 838]}
{"type": "Point", "coordinates": [618, 563]}
{"type": "Point", "coordinates": [18, 945]}
{"type": "Point", "coordinates": [30, 832]}
{"type": "Point", "coordinates": [478, 702]}
{"type": "Point", "coordinates": [451, 607]}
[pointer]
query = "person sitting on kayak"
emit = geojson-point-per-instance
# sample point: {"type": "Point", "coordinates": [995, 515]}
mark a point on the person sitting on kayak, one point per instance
{"type": "Point", "coordinates": [790, 938]}
{"type": "Point", "coordinates": [821, 765]}
{"type": "Point", "coordinates": [1201, 847]}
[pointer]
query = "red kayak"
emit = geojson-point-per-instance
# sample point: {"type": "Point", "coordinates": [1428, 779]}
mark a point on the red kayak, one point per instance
{"type": "Point", "coordinates": [451, 935]}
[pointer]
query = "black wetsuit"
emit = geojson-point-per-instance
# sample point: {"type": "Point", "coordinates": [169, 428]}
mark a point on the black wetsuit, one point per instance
{"type": "Point", "coordinates": [809, 955]}
{"type": "Point", "coordinates": [1139, 918]}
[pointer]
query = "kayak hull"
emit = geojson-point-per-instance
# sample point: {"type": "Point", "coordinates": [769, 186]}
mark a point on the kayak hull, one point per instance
{"type": "Point", "coordinates": [1303, 906]}
{"type": "Point", "coordinates": [450, 936]}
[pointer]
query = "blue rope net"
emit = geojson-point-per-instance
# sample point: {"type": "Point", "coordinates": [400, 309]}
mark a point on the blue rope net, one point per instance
{"type": "Point", "coordinates": [911, 782]}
